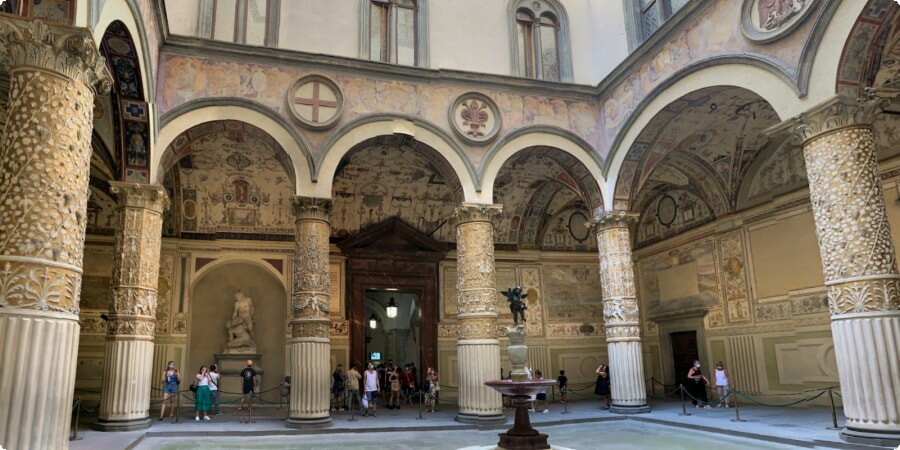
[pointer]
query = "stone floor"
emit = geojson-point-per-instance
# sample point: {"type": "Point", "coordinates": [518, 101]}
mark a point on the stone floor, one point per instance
{"type": "Point", "coordinates": [585, 426]}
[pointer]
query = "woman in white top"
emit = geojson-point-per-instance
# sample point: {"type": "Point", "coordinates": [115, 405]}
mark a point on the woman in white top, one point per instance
{"type": "Point", "coordinates": [372, 386]}
{"type": "Point", "coordinates": [214, 387]}
{"type": "Point", "coordinates": [723, 380]}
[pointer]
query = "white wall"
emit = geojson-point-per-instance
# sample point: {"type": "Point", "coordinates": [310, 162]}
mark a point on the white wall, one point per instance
{"type": "Point", "coordinates": [329, 27]}
{"type": "Point", "coordinates": [471, 35]}
{"type": "Point", "coordinates": [183, 16]}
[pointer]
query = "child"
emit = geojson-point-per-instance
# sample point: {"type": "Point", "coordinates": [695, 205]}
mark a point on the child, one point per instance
{"type": "Point", "coordinates": [563, 383]}
{"type": "Point", "coordinates": [542, 396]}
{"type": "Point", "coordinates": [723, 380]}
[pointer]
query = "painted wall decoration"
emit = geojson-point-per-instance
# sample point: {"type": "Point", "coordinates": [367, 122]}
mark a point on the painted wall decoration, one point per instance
{"type": "Point", "coordinates": [165, 293]}
{"type": "Point", "coordinates": [782, 171]}
{"type": "Point", "coordinates": [391, 178]}
{"type": "Point", "coordinates": [129, 108]}
{"type": "Point", "coordinates": [682, 280]}
{"type": "Point", "coordinates": [572, 294]}
{"type": "Point", "coordinates": [229, 176]}
{"type": "Point", "coordinates": [733, 268]}
{"type": "Point", "coordinates": [101, 208]}
{"type": "Point", "coordinates": [869, 36]}
{"type": "Point", "coordinates": [475, 118]}
{"type": "Point", "coordinates": [59, 11]}
{"type": "Point", "coordinates": [686, 210]}
{"type": "Point", "coordinates": [705, 142]}
{"type": "Point", "coordinates": [315, 101]}
{"type": "Point", "coordinates": [767, 20]}
{"type": "Point", "coordinates": [566, 230]}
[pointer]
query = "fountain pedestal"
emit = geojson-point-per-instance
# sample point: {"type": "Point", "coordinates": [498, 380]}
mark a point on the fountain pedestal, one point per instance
{"type": "Point", "coordinates": [521, 436]}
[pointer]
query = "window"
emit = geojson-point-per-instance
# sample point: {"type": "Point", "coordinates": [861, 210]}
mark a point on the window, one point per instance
{"type": "Point", "coordinates": [392, 31]}
{"type": "Point", "coordinates": [648, 16]}
{"type": "Point", "coordinates": [540, 41]}
{"type": "Point", "coordinates": [251, 22]}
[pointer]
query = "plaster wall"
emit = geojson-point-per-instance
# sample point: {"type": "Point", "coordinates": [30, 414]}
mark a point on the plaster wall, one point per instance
{"type": "Point", "coordinates": [330, 27]}
{"type": "Point", "coordinates": [469, 35]}
{"type": "Point", "coordinates": [183, 15]}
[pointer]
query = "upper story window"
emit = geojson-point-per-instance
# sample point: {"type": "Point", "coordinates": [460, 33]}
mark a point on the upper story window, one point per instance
{"type": "Point", "coordinates": [393, 31]}
{"type": "Point", "coordinates": [541, 45]}
{"type": "Point", "coordinates": [251, 22]}
{"type": "Point", "coordinates": [648, 16]}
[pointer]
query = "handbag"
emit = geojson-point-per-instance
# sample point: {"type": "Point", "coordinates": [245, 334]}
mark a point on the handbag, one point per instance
{"type": "Point", "coordinates": [193, 387]}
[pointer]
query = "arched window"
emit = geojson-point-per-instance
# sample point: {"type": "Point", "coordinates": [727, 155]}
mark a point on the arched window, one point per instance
{"type": "Point", "coordinates": [393, 31]}
{"type": "Point", "coordinates": [541, 41]}
{"type": "Point", "coordinates": [646, 16]}
{"type": "Point", "coordinates": [251, 22]}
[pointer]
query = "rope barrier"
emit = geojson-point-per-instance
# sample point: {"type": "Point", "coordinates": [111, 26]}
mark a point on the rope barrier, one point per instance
{"type": "Point", "coordinates": [758, 402]}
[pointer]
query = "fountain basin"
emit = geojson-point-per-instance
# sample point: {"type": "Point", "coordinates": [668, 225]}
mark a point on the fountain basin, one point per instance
{"type": "Point", "coordinates": [515, 388]}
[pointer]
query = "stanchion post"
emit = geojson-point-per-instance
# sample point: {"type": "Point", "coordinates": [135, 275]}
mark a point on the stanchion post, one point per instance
{"type": "Point", "coordinates": [834, 424]}
{"type": "Point", "coordinates": [77, 420]}
{"type": "Point", "coordinates": [737, 409]}
{"type": "Point", "coordinates": [683, 408]}
{"type": "Point", "coordinates": [653, 386]}
{"type": "Point", "coordinates": [177, 404]}
{"type": "Point", "coordinates": [420, 406]}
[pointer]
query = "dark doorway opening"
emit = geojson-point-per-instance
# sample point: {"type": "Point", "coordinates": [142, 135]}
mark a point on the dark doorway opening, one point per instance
{"type": "Point", "coordinates": [684, 352]}
{"type": "Point", "coordinates": [393, 256]}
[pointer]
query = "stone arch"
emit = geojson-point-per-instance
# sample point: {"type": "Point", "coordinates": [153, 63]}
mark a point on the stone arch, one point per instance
{"type": "Point", "coordinates": [871, 30]}
{"type": "Point", "coordinates": [235, 259]}
{"type": "Point", "coordinates": [347, 137]}
{"type": "Point", "coordinates": [737, 72]}
{"type": "Point", "coordinates": [128, 13]}
{"type": "Point", "coordinates": [181, 119]}
{"type": "Point", "coordinates": [538, 136]}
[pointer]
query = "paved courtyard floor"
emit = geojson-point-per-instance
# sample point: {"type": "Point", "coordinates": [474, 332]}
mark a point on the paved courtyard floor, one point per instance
{"type": "Point", "coordinates": [584, 427]}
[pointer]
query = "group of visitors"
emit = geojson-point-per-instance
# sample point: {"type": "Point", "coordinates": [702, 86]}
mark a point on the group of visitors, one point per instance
{"type": "Point", "coordinates": [205, 387]}
{"type": "Point", "coordinates": [696, 385]}
{"type": "Point", "coordinates": [395, 386]}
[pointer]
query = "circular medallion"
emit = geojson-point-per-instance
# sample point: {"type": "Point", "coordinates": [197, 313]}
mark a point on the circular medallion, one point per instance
{"type": "Point", "coordinates": [666, 210]}
{"type": "Point", "coordinates": [475, 118]}
{"type": "Point", "coordinates": [316, 101]}
{"type": "Point", "coordinates": [578, 226]}
{"type": "Point", "coordinates": [190, 209]}
{"type": "Point", "coordinates": [767, 20]}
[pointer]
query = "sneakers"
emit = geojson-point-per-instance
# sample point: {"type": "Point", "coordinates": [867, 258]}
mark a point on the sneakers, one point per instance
{"type": "Point", "coordinates": [196, 418]}
{"type": "Point", "coordinates": [545, 411]}
{"type": "Point", "coordinates": [207, 418]}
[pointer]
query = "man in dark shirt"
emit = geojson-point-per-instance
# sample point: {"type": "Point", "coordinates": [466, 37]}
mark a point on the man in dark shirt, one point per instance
{"type": "Point", "coordinates": [248, 375]}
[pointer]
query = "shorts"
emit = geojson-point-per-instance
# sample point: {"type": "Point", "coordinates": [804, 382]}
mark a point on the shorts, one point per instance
{"type": "Point", "coordinates": [542, 396]}
{"type": "Point", "coordinates": [171, 388]}
{"type": "Point", "coordinates": [248, 389]}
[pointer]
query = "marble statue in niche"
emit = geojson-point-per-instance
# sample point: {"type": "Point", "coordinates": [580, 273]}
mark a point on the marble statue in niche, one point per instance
{"type": "Point", "coordinates": [240, 327]}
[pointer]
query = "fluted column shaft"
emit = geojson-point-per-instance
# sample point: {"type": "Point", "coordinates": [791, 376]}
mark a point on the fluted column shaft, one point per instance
{"type": "Point", "coordinates": [478, 347]}
{"type": "Point", "coordinates": [127, 372]}
{"type": "Point", "coordinates": [620, 313]}
{"type": "Point", "coordinates": [44, 166]}
{"type": "Point", "coordinates": [858, 261]}
{"type": "Point", "coordinates": [310, 324]}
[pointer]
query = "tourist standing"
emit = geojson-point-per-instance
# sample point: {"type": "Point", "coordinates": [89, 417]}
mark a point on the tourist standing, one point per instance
{"type": "Point", "coordinates": [337, 387]}
{"type": "Point", "coordinates": [603, 381]}
{"type": "Point", "coordinates": [697, 383]}
{"type": "Point", "coordinates": [353, 378]}
{"type": "Point", "coordinates": [541, 396]}
{"type": "Point", "coordinates": [430, 389]}
{"type": "Point", "coordinates": [394, 380]}
{"type": "Point", "coordinates": [372, 386]}
{"type": "Point", "coordinates": [723, 381]}
{"type": "Point", "coordinates": [248, 377]}
{"type": "Point", "coordinates": [563, 383]}
{"type": "Point", "coordinates": [201, 397]}
{"type": "Point", "coordinates": [214, 387]}
{"type": "Point", "coordinates": [171, 380]}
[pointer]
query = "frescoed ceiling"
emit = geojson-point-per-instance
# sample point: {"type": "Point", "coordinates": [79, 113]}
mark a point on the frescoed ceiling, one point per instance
{"type": "Point", "coordinates": [395, 176]}
{"type": "Point", "coordinates": [228, 177]}
{"type": "Point", "coordinates": [547, 196]}
{"type": "Point", "coordinates": [701, 145]}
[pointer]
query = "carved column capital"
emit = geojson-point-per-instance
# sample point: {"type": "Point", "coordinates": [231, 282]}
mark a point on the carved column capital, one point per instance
{"type": "Point", "coordinates": [67, 51]}
{"type": "Point", "coordinates": [612, 219]}
{"type": "Point", "coordinates": [476, 212]}
{"type": "Point", "coordinates": [836, 113]}
{"type": "Point", "coordinates": [312, 208]}
{"type": "Point", "coordinates": [142, 196]}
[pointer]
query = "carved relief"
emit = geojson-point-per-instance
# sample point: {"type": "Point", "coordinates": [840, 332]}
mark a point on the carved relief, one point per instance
{"type": "Point", "coordinates": [476, 282]}
{"type": "Point", "coordinates": [620, 307]}
{"type": "Point", "coordinates": [44, 162]}
{"type": "Point", "coordinates": [311, 281]}
{"type": "Point", "coordinates": [478, 328]}
{"type": "Point", "coordinates": [311, 329]}
{"type": "Point", "coordinates": [340, 328]}
{"type": "Point", "coordinates": [620, 311]}
{"type": "Point", "coordinates": [475, 118]}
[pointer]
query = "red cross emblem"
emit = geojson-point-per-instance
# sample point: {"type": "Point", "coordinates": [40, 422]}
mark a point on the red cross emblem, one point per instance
{"type": "Point", "coordinates": [315, 102]}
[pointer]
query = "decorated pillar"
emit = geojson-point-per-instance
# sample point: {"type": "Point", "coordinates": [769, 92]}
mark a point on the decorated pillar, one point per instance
{"type": "Point", "coordinates": [859, 263]}
{"type": "Point", "coordinates": [44, 166]}
{"type": "Point", "coordinates": [478, 346]}
{"type": "Point", "coordinates": [620, 312]}
{"type": "Point", "coordinates": [127, 372]}
{"type": "Point", "coordinates": [310, 308]}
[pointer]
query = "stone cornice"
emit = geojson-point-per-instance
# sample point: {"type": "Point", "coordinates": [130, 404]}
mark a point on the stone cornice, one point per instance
{"type": "Point", "coordinates": [141, 196]}
{"type": "Point", "coordinates": [476, 212]}
{"type": "Point", "coordinates": [613, 219]}
{"type": "Point", "coordinates": [312, 208]}
{"type": "Point", "coordinates": [833, 114]}
{"type": "Point", "coordinates": [67, 51]}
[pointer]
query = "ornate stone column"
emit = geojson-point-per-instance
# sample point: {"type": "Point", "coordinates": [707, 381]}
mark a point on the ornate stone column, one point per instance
{"type": "Point", "coordinates": [127, 372]}
{"type": "Point", "coordinates": [478, 347]}
{"type": "Point", "coordinates": [858, 261]}
{"type": "Point", "coordinates": [44, 166]}
{"type": "Point", "coordinates": [310, 324]}
{"type": "Point", "coordinates": [620, 312]}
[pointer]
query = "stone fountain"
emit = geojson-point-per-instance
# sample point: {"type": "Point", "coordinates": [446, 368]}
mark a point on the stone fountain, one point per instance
{"type": "Point", "coordinates": [521, 436]}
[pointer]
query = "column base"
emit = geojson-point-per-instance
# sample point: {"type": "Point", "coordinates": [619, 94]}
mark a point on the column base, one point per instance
{"type": "Point", "coordinates": [309, 424]}
{"type": "Point", "coordinates": [122, 425]}
{"type": "Point", "coordinates": [475, 419]}
{"type": "Point", "coordinates": [629, 409]}
{"type": "Point", "coordinates": [886, 439]}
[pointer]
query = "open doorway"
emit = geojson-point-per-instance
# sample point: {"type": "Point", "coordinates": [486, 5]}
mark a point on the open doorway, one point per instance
{"type": "Point", "coordinates": [393, 332]}
{"type": "Point", "coordinates": [684, 352]}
